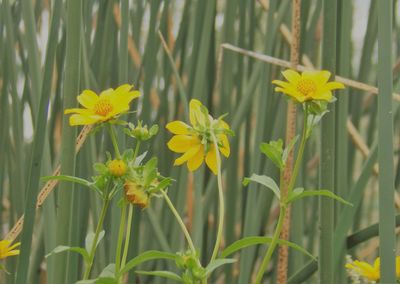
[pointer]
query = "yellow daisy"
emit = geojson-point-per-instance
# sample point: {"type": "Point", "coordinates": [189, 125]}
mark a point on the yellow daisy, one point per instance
{"type": "Point", "coordinates": [196, 141]}
{"type": "Point", "coordinates": [366, 270]}
{"type": "Point", "coordinates": [307, 86]}
{"type": "Point", "coordinates": [104, 107]}
{"type": "Point", "coordinates": [6, 250]}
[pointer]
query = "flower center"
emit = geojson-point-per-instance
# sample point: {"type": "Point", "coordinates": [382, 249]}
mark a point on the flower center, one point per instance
{"type": "Point", "coordinates": [306, 86]}
{"type": "Point", "coordinates": [103, 107]}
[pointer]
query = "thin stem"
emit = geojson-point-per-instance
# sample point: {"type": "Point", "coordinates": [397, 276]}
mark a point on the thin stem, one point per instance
{"type": "Point", "coordinates": [300, 153]}
{"type": "Point", "coordinates": [130, 218]}
{"type": "Point", "coordinates": [221, 203]}
{"type": "Point", "coordinates": [114, 141]}
{"type": "Point", "coordinates": [179, 219]}
{"type": "Point", "coordinates": [272, 246]}
{"type": "Point", "coordinates": [96, 238]}
{"type": "Point", "coordinates": [120, 237]}
{"type": "Point", "coordinates": [128, 235]}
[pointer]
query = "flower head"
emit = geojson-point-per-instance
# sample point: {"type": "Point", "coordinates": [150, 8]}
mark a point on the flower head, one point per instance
{"type": "Point", "coordinates": [136, 194]}
{"type": "Point", "coordinates": [307, 86]}
{"type": "Point", "coordinates": [117, 168]}
{"type": "Point", "coordinates": [144, 182]}
{"type": "Point", "coordinates": [6, 250]}
{"type": "Point", "coordinates": [196, 142]}
{"type": "Point", "coordinates": [109, 104]}
{"type": "Point", "coordinates": [366, 270]}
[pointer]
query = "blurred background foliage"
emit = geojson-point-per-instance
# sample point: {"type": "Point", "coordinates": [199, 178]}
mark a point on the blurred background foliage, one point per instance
{"type": "Point", "coordinates": [119, 42]}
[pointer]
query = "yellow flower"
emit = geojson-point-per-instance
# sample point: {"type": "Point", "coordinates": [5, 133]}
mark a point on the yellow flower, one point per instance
{"type": "Point", "coordinates": [106, 106]}
{"type": "Point", "coordinates": [307, 86]}
{"type": "Point", "coordinates": [366, 270]}
{"type": "Point", "coordinates": [117, 168]}
{"type": "Point", "coordinates": [6, 250]}
{"type": "Point", "coordinates": [196, 142]}
{"type": "Point", "coordinates": [136, 194]}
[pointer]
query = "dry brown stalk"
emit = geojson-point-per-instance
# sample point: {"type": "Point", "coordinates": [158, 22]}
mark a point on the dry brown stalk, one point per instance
{"type": "Point", "coordinates": [286, 64]}
{"type": "Point", "coordinates": [290, 133]}
{"type": "Point", "coordinates": [48, 187]}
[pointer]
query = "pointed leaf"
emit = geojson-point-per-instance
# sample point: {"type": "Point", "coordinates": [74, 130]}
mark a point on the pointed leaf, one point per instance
{"type": "Point", "coordinates": [273, 150]}
{"type": "Point", "coordinates": [89, 240]}
{"type": "Point", "coordinates": [322, 192]}
{"type": "Point", "coordinates": [251, 241]}
{"type": "Point", "coordinates": [289, 148]}
{"type": "Point", "coordinates": [146, 256]}
{"type": "Point", "coordinates": [217, 263]}
{"type": "Point", "coordinates": [72, 179]}
{"type": "Point", "coordinates": [264, 180]}
{"type": "Point", "coordinates": [79, 250]}
{"type": "Point", "coordinates": [162, 273]}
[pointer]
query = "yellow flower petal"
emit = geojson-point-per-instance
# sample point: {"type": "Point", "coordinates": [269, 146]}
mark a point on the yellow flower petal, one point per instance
{"type": "Point", "coordinates": [178, 127]}
{"type": "Point", "coordinates": [182, 143]}
{"type": "Point", "coordinates": [88, 98]}
{"type": "Point", "coordinates": [123, 89]}
{"type": "Point", "coordinates": [225, 149]}
{"type": "Point", "coordinates": [188, 155]}
{"type": "Point", "coordinates": [196, 116]}
{"type": "Point", "coordinates": [295, 95]}
{"type": "Point", "coordinates": [211, 160]}
{"type": "Point", "coordinates": [78, 110]}
{"type": "Point", "coordinates": [334, 85]}
{"type": "Point", "coordinates": [292, 76]}
{"type": "Point", "coordinates": [322, 77]}
{"type": "Point", "coordinates": [195, 162]}
{"type": "Point", "coordinates": [79, 119]}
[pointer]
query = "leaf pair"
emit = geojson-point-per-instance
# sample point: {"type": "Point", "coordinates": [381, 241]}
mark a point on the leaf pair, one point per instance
{"type": "Point", "coordinates": [275, 152]}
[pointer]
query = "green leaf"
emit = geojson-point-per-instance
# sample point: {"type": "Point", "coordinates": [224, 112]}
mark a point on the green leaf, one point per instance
{"type": "Point", "coordinates": [146, 256]}
{"type": "Point", "coordinates": [79, 250]}
{"type": "Point", "coordinates": [217, 263]}
{"type": "Point", "coordinates": [273, 150]}
{"type": "Point", "coordinates": [264, 180]}
{"type": "Point", "coordinates": [289, 148]}
{"type": "Point", "coordinates": [251, 241]}
{"type": "Point", "coordinates": [100, 280]}
{"type": "Point", "coordinates": [108, 271]}
{"type": "Point", "coordinates": [162, 273]}
{"type": "Point", "coordinates": [300, 193]}
{"type": "Point", "coordinates": [89, 240]}
{"type": "Point", "coordinates": [72, 179]}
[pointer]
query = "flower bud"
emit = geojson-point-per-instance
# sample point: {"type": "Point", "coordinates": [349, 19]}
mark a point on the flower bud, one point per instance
{"type": "Point", "coordinates": [117, 168]}
{"type": "Point", "coordinates": [135, 194]}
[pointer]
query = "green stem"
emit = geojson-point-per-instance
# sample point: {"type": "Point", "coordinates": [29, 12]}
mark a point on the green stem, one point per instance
{"type": "Point", "coordinates": [179, 219]}
{"type": "Point", "coordinates": [301, 151]}
{"type": "Point", "coordinates": [272, 246]}
{"type": "Point", "coordinates": [130, 218]}
{"type": "Point", "coordinates": [283, 203]}
{"type": "Point", "coordinates": [119, 243]}
{"type": "Point", "coordinates": [96, 238]}
{"type": "Point", "coordinates": [221, 203]}
{"type": "Point", "coordinates": [127, 236]}
{"type": "Point", "coordinates": [114, 141]}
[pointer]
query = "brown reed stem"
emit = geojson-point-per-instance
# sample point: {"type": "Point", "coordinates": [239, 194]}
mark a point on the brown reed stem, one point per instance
{"type": "Point", "coordinates": [290, 133]}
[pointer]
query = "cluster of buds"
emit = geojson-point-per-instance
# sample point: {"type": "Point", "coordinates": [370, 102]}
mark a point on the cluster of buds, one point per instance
{"type": "Point", "coordinates": [141, 132]}
{"type": "Point", "coordinates": [188, 262]}
{"type": "Point", "coordinates": [143, 183]}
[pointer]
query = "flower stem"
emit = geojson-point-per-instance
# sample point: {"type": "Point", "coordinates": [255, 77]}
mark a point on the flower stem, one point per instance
{"type": "Point", "coordinates": [130, 218]}
{"type": "Point", "coordinates": [221, 203]}
{"type": "Point", "coordinates": [114, 141]}
{"type": "Point", "coordinates": [272, 246]}
{"type": "Point", "coordinates": [300, 153]}
{"type": "Point", "coordinates": [128, 235]}
{"type": "Point", "coordinates": [283, 204]}
{"type": "Point", "coordinates": [96, 238]}
{"type": "Point", "coordinates": [119, 243]}
{"type": "Point", "coordinates": [179, 219]}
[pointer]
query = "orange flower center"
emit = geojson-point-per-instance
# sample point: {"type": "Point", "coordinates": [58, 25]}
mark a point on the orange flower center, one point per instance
{"type": "Point", "coordinates": [306, 86]}
{"type": "Point", "coordinates": [103, 107]}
